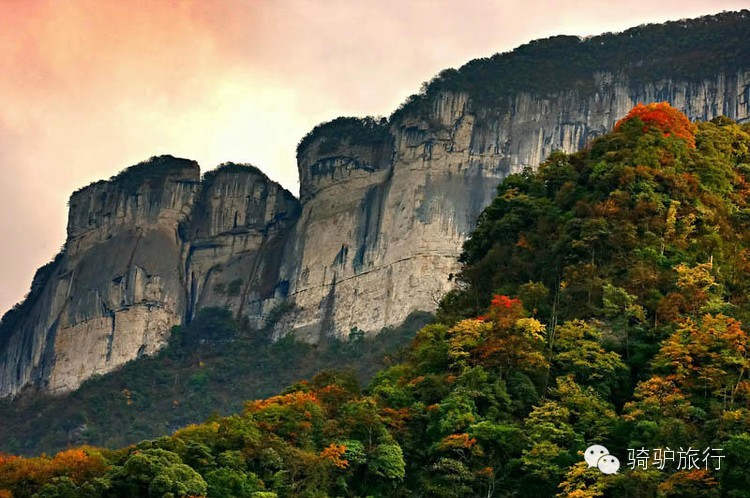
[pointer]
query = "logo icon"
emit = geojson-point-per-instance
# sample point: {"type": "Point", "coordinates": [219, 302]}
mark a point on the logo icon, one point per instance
{"type": "Point", "coordinates": [598, 456]}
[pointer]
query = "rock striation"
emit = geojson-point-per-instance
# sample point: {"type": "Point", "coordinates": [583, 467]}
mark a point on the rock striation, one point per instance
{"type": "Point", "coordinates": [384, 207]}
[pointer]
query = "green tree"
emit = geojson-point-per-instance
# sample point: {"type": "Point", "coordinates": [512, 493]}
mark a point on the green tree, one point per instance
{"type": "Point", "coordinates": [231, 483]}
{"type": "Point", "coordinates": [59, 487]}
{"type": "Point", "coordinates": [734, 478]}
{"type": "Point", "coordinates": [579, 352]}
{"type": "Point", "coordinates": [177, 481]}
{"type": "Point", "coordinates": [387, 461]}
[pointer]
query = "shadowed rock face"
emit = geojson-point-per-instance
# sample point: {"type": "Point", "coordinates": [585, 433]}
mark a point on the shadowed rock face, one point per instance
{"type": "Point", "coordinates": [236, 237]}
{"type": "Point", "coordinates": [384, 209]}
{"type": "Point", "coordinates": [144, 251]}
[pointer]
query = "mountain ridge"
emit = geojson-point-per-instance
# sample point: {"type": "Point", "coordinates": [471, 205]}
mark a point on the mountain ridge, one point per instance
{"type": "Point", "coordinates": [384, 207]}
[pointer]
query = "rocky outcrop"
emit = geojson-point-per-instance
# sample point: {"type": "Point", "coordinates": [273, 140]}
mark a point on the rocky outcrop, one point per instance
{"type": "Point", "coordinates": [238, 230]}
{"type": "Point", "coordinates": [118, 286]}
{"type": "Point", "coordinates": [382, 224]}
{"type": "Point", "coordinates": [377, 241]}
{"type": "Point", "coordinates": [384, 208]}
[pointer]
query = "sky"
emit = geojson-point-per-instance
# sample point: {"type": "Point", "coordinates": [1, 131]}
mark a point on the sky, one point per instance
{"type": "Point", "coordinates": [89, 87]}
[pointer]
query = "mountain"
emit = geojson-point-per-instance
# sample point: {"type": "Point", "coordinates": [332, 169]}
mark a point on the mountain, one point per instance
{"type": "Point", "coordinates": [385, 204]}
{"type": "Point", "coordinates": [597, 347]}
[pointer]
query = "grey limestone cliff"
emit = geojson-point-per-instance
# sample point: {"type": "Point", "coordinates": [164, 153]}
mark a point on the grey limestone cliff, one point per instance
{"type": "Point", "coordinates": [384, 206]}
{"type": "Point", "coordinates": [378, 240]}
{"type": "Point", "coordinates": [116, 289]}
{"type": "Point", "coordinates": [144, 251]}
{"type": "Point", "coordinates": [239, 227]}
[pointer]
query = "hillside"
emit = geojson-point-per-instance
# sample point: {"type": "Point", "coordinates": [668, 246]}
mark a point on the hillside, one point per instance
{"type": "Point", "coordinates": [209, 368]}
{"type": "Point", "coordinates": [688, 50]}
{"type": "Point", "coordinates": [612, 289]}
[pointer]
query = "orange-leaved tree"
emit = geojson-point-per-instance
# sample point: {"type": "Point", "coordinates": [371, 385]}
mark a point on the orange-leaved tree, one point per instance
{"type": "Point", "coordinates": [663, 117]}
{"type": "Point", "coordinates": [504, 339]}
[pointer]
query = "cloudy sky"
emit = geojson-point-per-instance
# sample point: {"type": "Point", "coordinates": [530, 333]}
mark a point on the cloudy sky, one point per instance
{"type": "Point", "coordinates": [89, 87]}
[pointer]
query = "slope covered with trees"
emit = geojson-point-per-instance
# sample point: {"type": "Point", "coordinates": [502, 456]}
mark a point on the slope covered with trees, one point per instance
{"type": "Point", "coordinates": [210, 366]}
{"type": "Point", "coordinates": [603, 299]}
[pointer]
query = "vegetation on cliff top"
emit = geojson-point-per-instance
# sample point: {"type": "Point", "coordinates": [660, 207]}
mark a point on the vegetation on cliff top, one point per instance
{"type": "Point", "coordinates": [628, 267]}
{"type": "Point", "coordinates": [351, 131]}
{"type": "Point", "coordinates": [153, 172]}
{"type": "Point", "coordinates": [230, 167]}
{"type": "Point", "coordinates": [674, 50]}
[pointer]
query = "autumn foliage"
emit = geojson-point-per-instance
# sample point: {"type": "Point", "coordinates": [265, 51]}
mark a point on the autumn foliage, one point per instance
{"type": "Point", "coordinates": [663, 117]}
{"type": "Point", "coordinates": [78, 464]}
{"type": "Point", "coordinates": [333, 453]}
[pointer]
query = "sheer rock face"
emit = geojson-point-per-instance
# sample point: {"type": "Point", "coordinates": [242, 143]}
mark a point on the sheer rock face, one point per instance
{"type": "Point", "coordinates": [377, 240]}
{"type": "Point", "coordinates": [144, 252]}
{"type": "Point", "coordinates": [532, 126]}
{"type": "Point", "coordinates": [374, 237]}
{"type": "Point", "coordinates": [237, 234]}
{"type": "Point", "coordinates": [117, 288]}
{"type": "Point", "coordinates": [383, 225]}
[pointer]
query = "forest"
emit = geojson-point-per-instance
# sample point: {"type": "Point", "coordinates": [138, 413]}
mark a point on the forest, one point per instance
{"type": "Point", "coordinates": [208, 368]}
{"type": "Point", "coordinates": [603, 300]}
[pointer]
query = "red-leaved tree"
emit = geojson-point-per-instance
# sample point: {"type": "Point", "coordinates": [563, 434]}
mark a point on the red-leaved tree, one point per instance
{"type": "Point", "coordinates": [663, 117]}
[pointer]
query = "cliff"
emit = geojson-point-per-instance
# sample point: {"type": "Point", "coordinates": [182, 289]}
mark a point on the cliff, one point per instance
{"type": "Point", "coordinates": [115, 290]}
{"type": "Point", "coordinates": [376, 243]}
{"type": "Point", "coordinates": [236, 237]}
{"type": "Point", "coordinates": [385, 204]}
